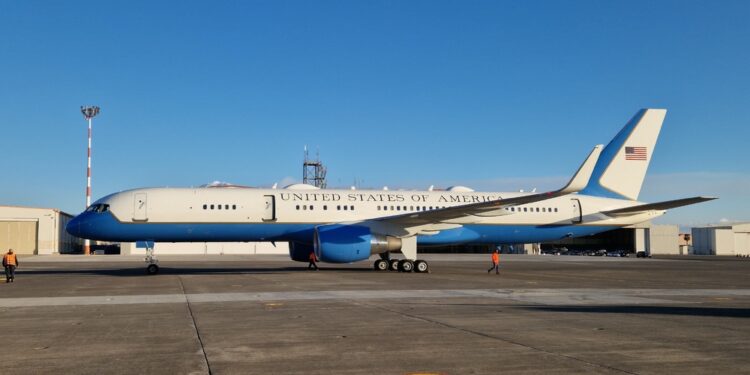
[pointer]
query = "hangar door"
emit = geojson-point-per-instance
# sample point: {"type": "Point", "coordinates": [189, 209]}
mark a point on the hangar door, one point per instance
{"type": "Point", "coordinates": [21, 236]}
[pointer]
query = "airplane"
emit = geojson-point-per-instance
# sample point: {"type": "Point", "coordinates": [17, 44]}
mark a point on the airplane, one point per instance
{"type": "Point", "coordinates": [349, 225]}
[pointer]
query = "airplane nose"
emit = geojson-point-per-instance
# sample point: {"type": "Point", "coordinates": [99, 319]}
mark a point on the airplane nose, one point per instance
{"type": "Point", "coordinates": [74, 226]}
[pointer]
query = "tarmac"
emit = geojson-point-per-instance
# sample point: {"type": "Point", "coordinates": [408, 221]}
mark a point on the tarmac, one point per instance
{"type": "Point", "coordinates": [265, 314]}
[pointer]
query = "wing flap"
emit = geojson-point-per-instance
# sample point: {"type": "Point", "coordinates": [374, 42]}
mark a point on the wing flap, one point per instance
{"type": "Point", "coordinates": [425, 219]}
{"type": "Point", "coordinates": [658, 206]}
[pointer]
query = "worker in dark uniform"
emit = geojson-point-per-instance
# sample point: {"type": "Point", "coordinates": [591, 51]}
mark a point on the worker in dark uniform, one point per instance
{"type": "Point", "coordinates": [10, 262]}
{"type": "Point", "coordinates": [495, 262]}
{"type": "Point", "coordinates": [313, 261]}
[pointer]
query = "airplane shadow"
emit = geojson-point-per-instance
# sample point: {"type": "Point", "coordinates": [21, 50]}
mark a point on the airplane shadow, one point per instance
{"type": "Point", "coordinates": [727, 312]}
{"type": "Point", "coordinates": [140, 271]}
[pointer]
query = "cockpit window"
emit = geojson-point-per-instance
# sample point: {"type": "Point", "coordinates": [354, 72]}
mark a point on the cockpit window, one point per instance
{"type": "Point", "coordinates": [98, 208]}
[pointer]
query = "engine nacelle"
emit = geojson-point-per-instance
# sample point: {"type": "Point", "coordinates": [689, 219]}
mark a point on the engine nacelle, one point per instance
{"type": "Point", "coordinates": [339, 243]}
{"type": "Point", "coordinates": [300, 251]}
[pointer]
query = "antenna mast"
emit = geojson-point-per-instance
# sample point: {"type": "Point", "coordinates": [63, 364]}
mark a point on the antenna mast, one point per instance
{"type": "Point", "coordinates": [313, 171]}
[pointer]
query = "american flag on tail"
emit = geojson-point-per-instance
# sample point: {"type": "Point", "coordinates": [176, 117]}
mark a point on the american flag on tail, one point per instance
{"type": "Point", "coordinates": [635, 153]}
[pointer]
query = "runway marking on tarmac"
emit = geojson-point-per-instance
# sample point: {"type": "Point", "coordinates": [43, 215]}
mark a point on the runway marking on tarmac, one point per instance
{"type": "Point", "coordinates": [541, 296]}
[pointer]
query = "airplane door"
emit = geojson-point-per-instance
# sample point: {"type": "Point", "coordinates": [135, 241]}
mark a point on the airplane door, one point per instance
{"type": "Point", "coordinates": [139, 207]}
{"type": "Point", "coordinates": [269, 208]}
{"type": "Point", "coordinates": [577, 213]}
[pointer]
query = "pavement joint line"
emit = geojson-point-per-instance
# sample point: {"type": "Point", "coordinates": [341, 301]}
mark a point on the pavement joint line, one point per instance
{"type": "Point", "coordinates": [195, 325]}
{"type": "Point", "coordinates": [493, 337]}
{"type": "Point", "coordinates": [542, 296]}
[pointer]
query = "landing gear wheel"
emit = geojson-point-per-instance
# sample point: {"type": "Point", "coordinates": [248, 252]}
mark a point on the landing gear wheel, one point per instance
{"type": "Point", "coordinates": [393, 265]}
{"type": "Point", "coordinates": [421, 266]}
{"type": "Point", "coordinates": [406, 265]}
{"type": "Point", "coordinates": [381, 265]}
{"type": "Point", "coordinates": [152, 269]}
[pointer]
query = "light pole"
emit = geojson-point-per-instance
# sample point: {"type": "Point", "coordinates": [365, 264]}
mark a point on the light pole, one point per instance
{"type": "Point", "coordinates": [89, 112]}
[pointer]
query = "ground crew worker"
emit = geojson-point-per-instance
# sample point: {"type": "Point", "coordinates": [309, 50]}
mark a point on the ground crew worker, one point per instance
{"type": "Point", "coordinates": [313, 261]}
{"type": "Point", "coordinates": [10, 262]}
{"type": "Point", "coordinates": [495, 262]}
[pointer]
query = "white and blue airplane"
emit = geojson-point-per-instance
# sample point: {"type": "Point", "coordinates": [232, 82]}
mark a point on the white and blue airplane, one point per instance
{"type": "Point", "coordinates": [344, 226]}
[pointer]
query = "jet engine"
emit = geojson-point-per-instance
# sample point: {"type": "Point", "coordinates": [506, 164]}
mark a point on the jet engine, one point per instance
{"type": "Point", "coordinates": [339, 243]}
{"type": "Point", "coordinates": [300, 252]}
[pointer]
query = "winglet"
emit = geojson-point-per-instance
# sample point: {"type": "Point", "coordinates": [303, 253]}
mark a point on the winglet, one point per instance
{"type": "Point", "coordinates": [582, 176]}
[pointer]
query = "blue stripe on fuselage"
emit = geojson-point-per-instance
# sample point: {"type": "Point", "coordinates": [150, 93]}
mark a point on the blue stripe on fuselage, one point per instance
{"type": "Point", "coordinates": [104, 226]}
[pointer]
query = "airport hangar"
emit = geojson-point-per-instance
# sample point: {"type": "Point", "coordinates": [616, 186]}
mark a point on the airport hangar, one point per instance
{"type": "Point", "coordinates": [39, 231]}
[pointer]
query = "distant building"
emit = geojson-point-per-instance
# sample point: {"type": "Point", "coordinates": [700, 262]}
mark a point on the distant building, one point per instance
{"type": "Point", "coordinates": [685, 242]}
{"type": "Point", "coordinates": [722, 240]}
{"type": "Point", "coordinates": [30, 230]}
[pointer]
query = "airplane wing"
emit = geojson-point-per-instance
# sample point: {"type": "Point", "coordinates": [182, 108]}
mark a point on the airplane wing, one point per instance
{"type": "Point", "coordinates": [432, 221]}
{"type": "Point", "coordinates": [658, 206]}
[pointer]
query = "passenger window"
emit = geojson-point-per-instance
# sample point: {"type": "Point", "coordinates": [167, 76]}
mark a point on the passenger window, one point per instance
{"type": "Point", "coordinates": [297, 207]}
{"type": "Point", "coordinates": [311, 207]}
{"type": "Point", "coordinates": [351, 207]}
{"type": "Point", "coordinates": [205, 206]}
{"type": "Point", "coordinates": [212, 206]}
{"type": "Point", "coordinates": [537, 209]}
{"type": "Point", "coordinates": [325, 207]}
{"type": "Point", "coordinates": [304, 207]}
{"type": "Point", "coordinates": [346, 208]}
{"type": "Point", "coordinates": [226, 206]}
{"type": "Point", "coordinates": [555, 209]}
{"type": "Point", "coordinates": [398, 208]}
{"type": "Point", "coordinates": [234, 206]}
{"type": "Point", "coordinates": [218, 206]}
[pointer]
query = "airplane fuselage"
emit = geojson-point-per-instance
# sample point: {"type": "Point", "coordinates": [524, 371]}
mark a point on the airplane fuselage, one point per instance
{"type": "Point", "coordinates": [250, 214]}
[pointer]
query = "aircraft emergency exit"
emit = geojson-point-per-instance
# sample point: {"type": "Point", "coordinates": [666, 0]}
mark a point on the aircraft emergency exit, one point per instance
{"type": "Point", "coordinates": [344, 226]}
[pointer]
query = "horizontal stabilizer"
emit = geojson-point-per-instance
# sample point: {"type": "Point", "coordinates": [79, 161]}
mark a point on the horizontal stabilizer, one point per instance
{"type": "Point", "coordinates": [658, 206]}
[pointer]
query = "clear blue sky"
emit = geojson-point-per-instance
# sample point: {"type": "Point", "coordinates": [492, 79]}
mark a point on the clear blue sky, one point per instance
{"type": "Point", "coordinates": [490, 94]}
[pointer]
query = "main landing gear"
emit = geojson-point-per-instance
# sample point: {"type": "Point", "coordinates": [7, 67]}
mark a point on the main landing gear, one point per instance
{"type": "Point", "coordinates": [403, 265]}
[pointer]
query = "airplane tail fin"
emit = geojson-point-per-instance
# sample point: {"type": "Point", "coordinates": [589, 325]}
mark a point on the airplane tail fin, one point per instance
{"type": "Point", "coordinates": [622, 166]}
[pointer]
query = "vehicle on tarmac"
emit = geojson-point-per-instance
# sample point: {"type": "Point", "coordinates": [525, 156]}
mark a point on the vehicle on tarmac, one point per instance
{"type": "Point", "coordinates": [345, 226]}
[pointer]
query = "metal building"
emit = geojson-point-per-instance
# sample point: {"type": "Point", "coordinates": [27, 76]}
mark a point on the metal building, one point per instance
{"type": "Point", "coordinates": [648, 237]}
{"type": "Point", "coordinates": [30, 230]}
{"type": "Point", "coordinates": [722, 240]}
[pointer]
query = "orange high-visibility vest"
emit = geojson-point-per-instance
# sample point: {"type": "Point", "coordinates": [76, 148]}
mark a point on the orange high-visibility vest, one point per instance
{"type": "Point", "coordinates": [495, 258]}
{"type": "Point", "coordinates": [10, 259]}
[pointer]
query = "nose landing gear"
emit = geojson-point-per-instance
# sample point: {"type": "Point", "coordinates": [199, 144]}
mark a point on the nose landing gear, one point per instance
{"type": "Point", "coordinates": [152, 267]}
